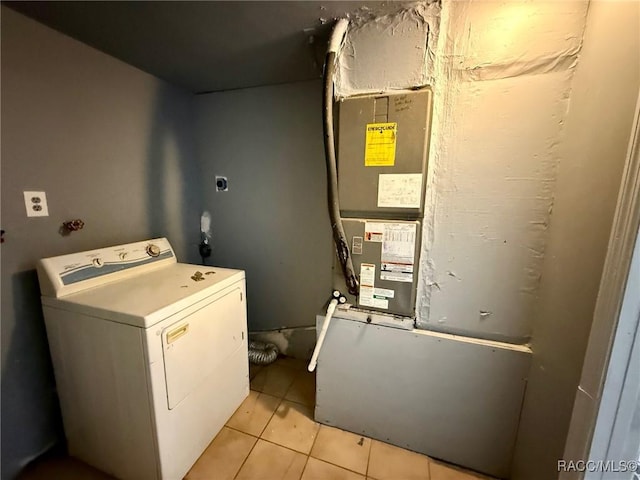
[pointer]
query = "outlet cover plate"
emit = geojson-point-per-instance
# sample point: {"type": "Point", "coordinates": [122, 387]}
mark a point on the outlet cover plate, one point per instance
{"type": "Point", "coordinates": [36, 204]}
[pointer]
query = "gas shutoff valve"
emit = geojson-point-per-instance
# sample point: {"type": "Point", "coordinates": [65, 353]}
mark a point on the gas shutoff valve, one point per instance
{"type": "Point", "coordinates": [205, 249]}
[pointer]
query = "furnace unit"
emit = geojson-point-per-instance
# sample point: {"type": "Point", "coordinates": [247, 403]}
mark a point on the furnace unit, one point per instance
{"type": "Point", "coordinates": [383, 146]}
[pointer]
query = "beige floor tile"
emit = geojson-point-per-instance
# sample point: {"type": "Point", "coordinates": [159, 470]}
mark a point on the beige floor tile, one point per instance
{"type": "Point", "coordinates": [292, 362]}
{"type": "Point", "coordinates": [274, 380]}
{"type": "Point", "coordinates": [303, 389]}
{"type": "Point", "coordinates": [292, 426]}
{"type": "Point", "coordinates": [319, 470]}
{"type": "Point", "coordinates": [387, 462]}
{"type": "Point", "coordinates": [341, 448]}
{"type": "Point", "coordinates": [443, 471]}
{"type": "Point", "coordinates": [272, 462]}
{"type": "Point", "coordinates": [223, 457]}
{"type": "Point", "coordinates": [254, 413]}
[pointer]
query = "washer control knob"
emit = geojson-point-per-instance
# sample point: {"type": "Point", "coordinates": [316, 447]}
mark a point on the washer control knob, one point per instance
{"type": "Point", "coordinates": [98, 262]}
{"type": "Point", "coordinates": [153, 250]}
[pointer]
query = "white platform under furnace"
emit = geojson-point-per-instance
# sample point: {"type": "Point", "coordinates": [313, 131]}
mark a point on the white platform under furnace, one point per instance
{"type": "Point", "coordinates": [453, 398]}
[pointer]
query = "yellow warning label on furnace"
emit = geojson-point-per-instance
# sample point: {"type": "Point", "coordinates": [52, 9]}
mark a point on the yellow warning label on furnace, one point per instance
{"type": "Point", "coordinates": [380, 145]}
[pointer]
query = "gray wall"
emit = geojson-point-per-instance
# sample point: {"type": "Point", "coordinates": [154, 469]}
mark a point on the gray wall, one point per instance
{"type": "Point", "coordinates": [110, 145]}
{"type": "Point", "coordinates": [502, 87]}
{"type": "Point", "coordinates": [598, 127]}
{"type": "Point", "coordinates": [273, 221]}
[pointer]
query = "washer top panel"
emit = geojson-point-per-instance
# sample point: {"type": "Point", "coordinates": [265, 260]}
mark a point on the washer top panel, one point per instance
{"type": "Point", "coordinates": [148, 298]}
{"type": "Point", "coordinates": [138, 283]}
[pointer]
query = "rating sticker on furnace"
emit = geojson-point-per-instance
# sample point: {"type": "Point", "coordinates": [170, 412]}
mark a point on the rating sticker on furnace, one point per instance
{"type": "Point", "coordinates": [380, 145]}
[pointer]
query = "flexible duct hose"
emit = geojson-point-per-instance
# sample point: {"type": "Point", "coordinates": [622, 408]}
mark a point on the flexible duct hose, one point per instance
{"type": "Point", "coordinates": [261, 353]}
{"type": "Point", "coordinates": [339, 237]}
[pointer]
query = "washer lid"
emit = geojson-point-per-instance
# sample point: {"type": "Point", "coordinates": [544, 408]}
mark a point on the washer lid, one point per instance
{"type": "Point", "coordinates": [148, 298]}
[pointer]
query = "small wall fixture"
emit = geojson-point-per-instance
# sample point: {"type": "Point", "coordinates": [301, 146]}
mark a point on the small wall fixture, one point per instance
{"type": "Point", "coordinates": [71, 226]}
{"type": "Point", "coordinates": [222, 184]}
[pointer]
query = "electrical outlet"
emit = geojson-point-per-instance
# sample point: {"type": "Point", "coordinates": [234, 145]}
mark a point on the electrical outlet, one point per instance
{"type": "Point", "coordinates": [222, 184]}
{"type": "Point", "coordinates": [36, 204]}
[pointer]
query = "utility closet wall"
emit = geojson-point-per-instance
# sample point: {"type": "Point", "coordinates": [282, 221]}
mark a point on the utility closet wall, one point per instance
{"type": "Point", "coordinates": [110, 145]}
{"type": "Point", "coordinates": [501, 74]}
{"type": "Point", "coordinates": [273, 221]}
{"type": "Point", "coordinates": [598, 127]}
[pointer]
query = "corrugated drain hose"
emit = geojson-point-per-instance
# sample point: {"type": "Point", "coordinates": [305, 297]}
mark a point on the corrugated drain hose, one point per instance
{"type": "Point", "coordinates": [261, 353]}
{"type": "Point", "coordinates": [339, 237]}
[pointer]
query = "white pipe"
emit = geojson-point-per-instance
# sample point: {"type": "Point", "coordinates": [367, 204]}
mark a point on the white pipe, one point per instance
{"type": "Point", "coordinates": [205, 227]}
{"type": "Point", "coordinates": [323, 333]}
{"type": "Point", "coordinates": [339, 31]}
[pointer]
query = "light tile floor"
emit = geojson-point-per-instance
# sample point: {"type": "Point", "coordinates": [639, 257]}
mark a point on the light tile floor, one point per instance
{"type": "Point", "coordinates": [289, 445]}
{"type": "Point", "coordinates": [272, 436]}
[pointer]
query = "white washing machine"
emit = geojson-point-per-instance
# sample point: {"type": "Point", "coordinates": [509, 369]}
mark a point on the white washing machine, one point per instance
{"type": "Point", "coordinates": [149, 355]}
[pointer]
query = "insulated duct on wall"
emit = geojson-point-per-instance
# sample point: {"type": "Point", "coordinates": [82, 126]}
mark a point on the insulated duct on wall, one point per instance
{"type": "Point", "coordinates": [339, 237]}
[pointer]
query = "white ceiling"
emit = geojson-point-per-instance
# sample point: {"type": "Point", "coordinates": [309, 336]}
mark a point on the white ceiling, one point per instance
{"type": "Point", "coordinates": [207, 46]}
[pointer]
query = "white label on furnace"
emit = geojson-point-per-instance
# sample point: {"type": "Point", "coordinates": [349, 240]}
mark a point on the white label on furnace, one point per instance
{"type": "Point", "coordinates": [374, 232]}
{"type": "Point", "coordinates": [369, 299]}
{"type": "Point", "coordinates": [380, 303]}
{"type": "Point", "coordinates": [356, 246]}
{"type": "Point", "coordinates": [367, 274]}
{"type": "Point", "coordinates": [399, 190]}
{"type": "Point", "coordinates": [384, 292]}
{"type": "Point", "coordinates": [367, 290]}
{"type": "Point", "coordinates": [398, 248]}
{"type": "Point", "coordinates": [396, 276]}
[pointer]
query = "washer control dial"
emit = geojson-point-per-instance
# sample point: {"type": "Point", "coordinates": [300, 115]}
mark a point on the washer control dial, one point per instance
{"type": "Point", "coordinates": [153, 250]}
{"type": "Point", "coordinates": [98, 262]}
